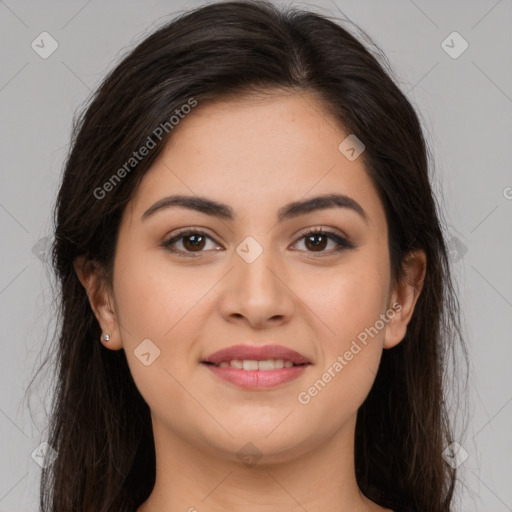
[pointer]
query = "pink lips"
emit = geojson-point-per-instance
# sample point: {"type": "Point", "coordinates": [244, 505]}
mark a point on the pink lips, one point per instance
{"type": "Point", "coordinates": [257, 379]}
{"type": "Point", "coordinates": [256, 353]}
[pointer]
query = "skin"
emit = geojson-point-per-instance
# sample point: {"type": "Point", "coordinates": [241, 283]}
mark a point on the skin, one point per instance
{"type": "Point", "coordinates": [254, 155]}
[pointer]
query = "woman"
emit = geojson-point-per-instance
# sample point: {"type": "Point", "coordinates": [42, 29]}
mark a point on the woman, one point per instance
{"type": "Point", "coordinates": [256, 302]}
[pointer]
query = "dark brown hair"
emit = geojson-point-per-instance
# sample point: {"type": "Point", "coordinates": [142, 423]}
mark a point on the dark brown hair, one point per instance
{"type": "Point", "coordinates": [100, 425]}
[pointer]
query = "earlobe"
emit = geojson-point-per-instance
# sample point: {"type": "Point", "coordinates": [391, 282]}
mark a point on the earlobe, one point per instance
{"type": "Point", "coordinates": [405, 296]}
{"type": "Point", "coordinates": [92, 277]}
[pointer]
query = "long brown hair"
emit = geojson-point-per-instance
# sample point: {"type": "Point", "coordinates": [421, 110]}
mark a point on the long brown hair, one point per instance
{"type": "Point", "coordinates": [100, 425]}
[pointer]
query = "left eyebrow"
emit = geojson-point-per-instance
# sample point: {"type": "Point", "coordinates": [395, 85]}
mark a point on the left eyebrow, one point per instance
{"type": "Point", "coordinates": [288, 211]}
{"type": "Point", "coordinates": [297, 208]}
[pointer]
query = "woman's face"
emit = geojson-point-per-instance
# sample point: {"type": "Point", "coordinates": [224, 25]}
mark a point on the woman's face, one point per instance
{"type": "Point", "coordinates": [248, 275]}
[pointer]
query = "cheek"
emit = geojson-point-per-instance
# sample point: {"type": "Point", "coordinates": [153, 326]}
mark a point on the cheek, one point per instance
{"type": "Point", "coordinates": [349, 304]}
{"type": "Point", "coordinates": [348, 299]}
{"type": "Point", "coordinates": [155, 301]}
{"type": "Point", "coordinates": [153, 295]}
{"type": "Point", "coordinates": [158, 302]}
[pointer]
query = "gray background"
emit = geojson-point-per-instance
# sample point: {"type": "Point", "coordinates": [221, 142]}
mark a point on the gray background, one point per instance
{"type": "Point", "coordinates": [465, 104]}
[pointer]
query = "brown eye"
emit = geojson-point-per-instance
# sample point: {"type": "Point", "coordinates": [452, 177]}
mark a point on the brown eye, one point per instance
{"type": "Point", "coordinates": [192, 243]}
{"type": "Point", "coordinates": [316, 242]}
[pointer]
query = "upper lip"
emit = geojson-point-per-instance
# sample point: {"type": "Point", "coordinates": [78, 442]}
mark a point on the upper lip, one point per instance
{"type": "Point", "coordinates": [256, 353]}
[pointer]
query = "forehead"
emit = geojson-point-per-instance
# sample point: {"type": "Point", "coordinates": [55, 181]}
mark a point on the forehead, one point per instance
{"type": "Point", "coordinates": [276, 148]}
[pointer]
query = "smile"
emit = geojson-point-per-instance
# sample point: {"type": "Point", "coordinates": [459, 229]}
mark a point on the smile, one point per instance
{"type": "Point", "coordinates": [254, 375]}
{"type": "Point", "coordinates": [252, 364]}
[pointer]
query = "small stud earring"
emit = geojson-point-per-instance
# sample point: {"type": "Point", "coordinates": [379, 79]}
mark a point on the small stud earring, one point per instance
{"type": "Point", "coordinates": [105, 337]}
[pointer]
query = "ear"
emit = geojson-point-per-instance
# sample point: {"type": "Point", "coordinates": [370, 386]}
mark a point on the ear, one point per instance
{"type": "Point", "coordinates": [404, 297]}
{"type": "Point", "coordinates": [92, 277]}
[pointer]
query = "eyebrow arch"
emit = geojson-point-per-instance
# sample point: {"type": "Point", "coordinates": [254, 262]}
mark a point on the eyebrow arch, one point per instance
{"type": "Point", "coordinates": [288, 211]}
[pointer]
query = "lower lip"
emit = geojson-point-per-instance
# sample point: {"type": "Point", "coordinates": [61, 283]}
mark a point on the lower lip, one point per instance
{"type": "Point", "coordinates": [257, 379]}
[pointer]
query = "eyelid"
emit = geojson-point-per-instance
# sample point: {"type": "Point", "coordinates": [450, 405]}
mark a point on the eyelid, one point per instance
{"type": "Point", "coordinates": [189, 230]}
{"type": "Point", "coordinates": [323, 229]}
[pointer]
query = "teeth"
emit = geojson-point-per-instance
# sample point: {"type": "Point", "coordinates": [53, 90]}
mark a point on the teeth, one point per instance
{"type": "Point", "coordinates": [251, 364]}
{"type": "Point", "coordinates": [269, 364]}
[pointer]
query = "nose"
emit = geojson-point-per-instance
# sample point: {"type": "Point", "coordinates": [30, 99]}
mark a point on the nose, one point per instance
{"type": "Point", "coordinates": [257, 293]}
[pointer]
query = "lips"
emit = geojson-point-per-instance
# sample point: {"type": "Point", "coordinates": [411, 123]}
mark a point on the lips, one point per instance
{"type": "Point", "coordinates": [257, 368]}
{"type": "Point", "coordinates": [256, 353]}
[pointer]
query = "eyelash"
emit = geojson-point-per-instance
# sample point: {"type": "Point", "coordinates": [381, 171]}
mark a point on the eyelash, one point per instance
{"type": "Point", "coordinates": [342, 242]}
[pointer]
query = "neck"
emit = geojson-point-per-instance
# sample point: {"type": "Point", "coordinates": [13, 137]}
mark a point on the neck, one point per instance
{"type": "Point", "coordinates": [195, 478]}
